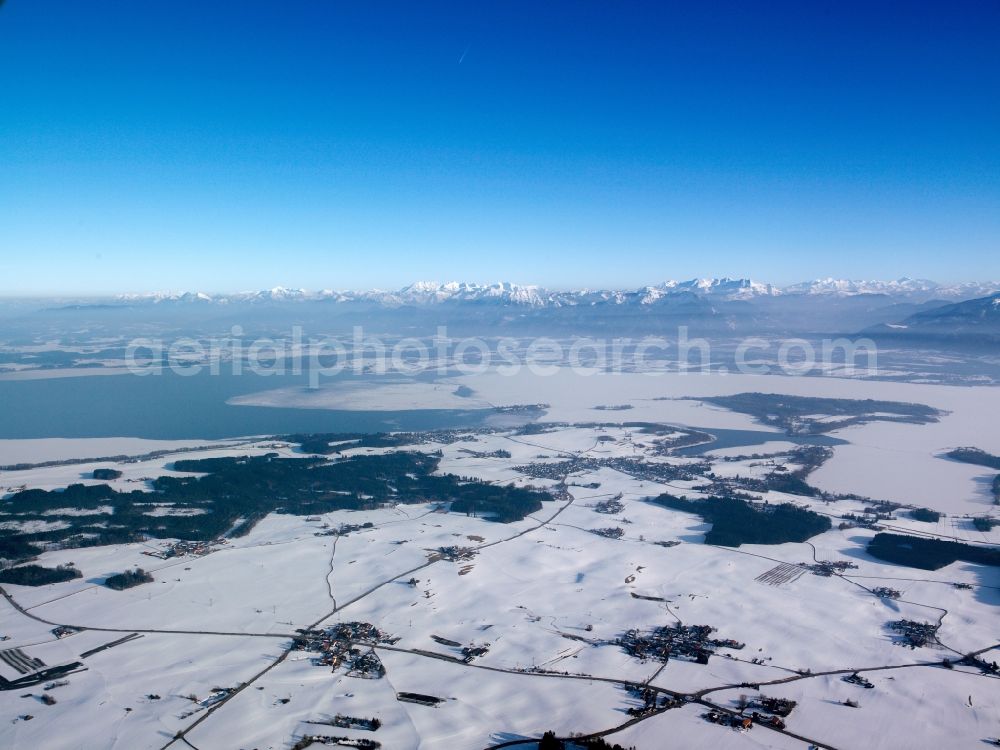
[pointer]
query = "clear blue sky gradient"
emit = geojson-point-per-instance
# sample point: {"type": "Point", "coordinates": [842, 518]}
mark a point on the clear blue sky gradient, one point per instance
{"type": "Point", "coordinates": [319, 143]}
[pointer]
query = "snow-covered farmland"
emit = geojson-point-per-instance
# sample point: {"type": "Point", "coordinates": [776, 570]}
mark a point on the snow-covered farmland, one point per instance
{"type": "Point", "coordinates": [543, 603]}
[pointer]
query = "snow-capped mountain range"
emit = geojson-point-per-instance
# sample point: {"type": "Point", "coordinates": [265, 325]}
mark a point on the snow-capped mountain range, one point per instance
{"type": "Point", "coordinates": [506, 293]}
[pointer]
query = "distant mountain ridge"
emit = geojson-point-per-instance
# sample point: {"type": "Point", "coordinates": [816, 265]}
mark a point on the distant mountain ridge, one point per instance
{"type": "Point", "coordinates": [903, 287]}
{"type": "Point", "coordinates": [904, 310]}
{"type": "Point", "coordinates": [976, 318]}
{"type": "Point", "coordinates": [507, 293]}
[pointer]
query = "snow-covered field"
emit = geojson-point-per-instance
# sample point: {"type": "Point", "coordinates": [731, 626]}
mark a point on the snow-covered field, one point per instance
{"type": "Point", "coordinates": [42, 450]}
{"type": "Point", "coordinates": [547, 595]}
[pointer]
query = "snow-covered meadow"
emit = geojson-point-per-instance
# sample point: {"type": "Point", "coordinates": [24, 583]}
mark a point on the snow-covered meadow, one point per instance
{"type": "Point", "coordinates": [548, 596]}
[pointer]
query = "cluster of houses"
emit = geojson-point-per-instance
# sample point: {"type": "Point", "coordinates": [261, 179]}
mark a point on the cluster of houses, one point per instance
{"type": "Point", "coordinates": [914, 634]}
{"type": "Point", "coordinates": [353, 722]}
{"type": "Point", "coordinates": [853, 520]}
{"type": "Point", "coordinates": [651, 701]}
{"type": "Point", "coordinates": [455, 553]}
{"type": "Point", "coordinates": [870, 516]}
{"type": "Point", "coordinates": [469, 652]}
{"type": "Point", "coordinates": [857, 679]}
{"type": "Point", "coordinates": [309, 740]}
{"type": "Point", "coordinates": [336, 647]}
{"type": "Point", "coordinates": [884, 592]}
{"type": "Point", "coordinates": [217, 695]}
{"type": "Point", "coordinates": [828, 568]}
{"type": "Point", "coordinates": [636, 468]}
{"type": "Point", "coordinates": [692, 642]}
{"type": "Point", "coordinates": [777, 706]}
{"type": "Point", "coordinates": [736, 721]}
{"type": "Point", "coordinates": [772, 721]}
{"type": "Point", "coordinates": [185, 547]}
{"type": "Point", "coordinates": [769, 712]}
{"type": "Point", "coordinates": [555, 470]}
{"type": "Point", "coordinates": [986, 667]}
{"type": "Point", "coordinates": [499, 453]}
{"type": "Point", "coordinates": [882, 509]}
{"type": "Point", "coordinates": [344, 530]}
{"type": "Point", "coordinates": [610, 506]}
{"type": "Point", "coordinates": [612, 532]}
{"type": "Point", "coordinates": [521, 408]}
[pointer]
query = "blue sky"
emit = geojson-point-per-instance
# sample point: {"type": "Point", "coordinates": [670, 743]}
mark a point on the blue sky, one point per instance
{"type": "Point", "coordinates": [240, 145]}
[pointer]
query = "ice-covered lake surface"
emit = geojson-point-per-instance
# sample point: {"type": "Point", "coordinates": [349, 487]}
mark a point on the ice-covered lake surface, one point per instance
{"type": "Point", "coordinates": [892, 461]}
{"type": "Point", "coordinates": [548, 597]}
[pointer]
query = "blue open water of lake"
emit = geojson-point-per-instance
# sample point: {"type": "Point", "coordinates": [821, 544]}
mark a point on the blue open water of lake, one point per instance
{"type": "Point", "coordinates": [174, 407]}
